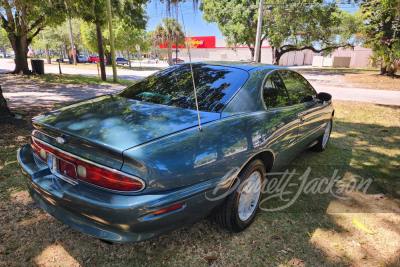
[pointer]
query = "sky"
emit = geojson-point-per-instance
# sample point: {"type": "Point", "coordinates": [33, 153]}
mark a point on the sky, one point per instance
{"type": "Point", "coordinates": [192, 19]}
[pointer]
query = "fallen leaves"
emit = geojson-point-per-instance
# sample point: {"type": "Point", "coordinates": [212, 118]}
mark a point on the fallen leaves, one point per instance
{"type": "Point", "coordinates": [362, 226]}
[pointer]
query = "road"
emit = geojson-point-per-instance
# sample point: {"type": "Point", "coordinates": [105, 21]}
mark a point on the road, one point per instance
{"type": "Point", "coordinates": [7, 65]}
{"type": "Point", "coordinates": [340, 89]}
{"type": "Point", "coordinates": [322, 82]}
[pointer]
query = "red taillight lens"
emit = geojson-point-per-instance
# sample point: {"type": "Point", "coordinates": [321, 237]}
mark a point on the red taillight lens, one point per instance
{"type": "Point", "coordinates": [108, 179]}
{"type": "Point", "coordinates": [67, 169]}
{"type": "Point", "coordinates": [111, 179]}
{"type": "Point", "coordinates": [169, 209]}
{"type": "Point", "coordinates": [39, 149]}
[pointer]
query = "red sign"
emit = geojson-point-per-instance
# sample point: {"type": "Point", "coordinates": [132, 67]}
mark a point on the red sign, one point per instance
{"type": "Point", "coordinates": [196, 42]}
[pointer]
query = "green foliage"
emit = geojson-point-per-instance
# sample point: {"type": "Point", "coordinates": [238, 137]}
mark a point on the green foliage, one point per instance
{"type": "Point", "coordinates": [88, 32]}
{"type": "Point", "coordinates": [131, 12]}
{"type": "Point", "coordinates": [168, 33]}
{"type": "Point", "coordinates": [23, 20]}
{"type": "Point", "coordinates": [129, 20]}
{"type": "Point", "coordinates": [240, 26]}
{"type": "Point", "coordinates": [126, 37]}
{"type": "Point", "coordinates": [292, 26]}
{"type": "Point", "coordinates": [30, 15]}
{"type": "Point", "coordinates": [58, 36]}
{"type": "Point", "coordinates": [4, 42]}
{"type": "Point", "coordinates": [322, 26]}
{"type": "Point", "coordinates": [382, 32]}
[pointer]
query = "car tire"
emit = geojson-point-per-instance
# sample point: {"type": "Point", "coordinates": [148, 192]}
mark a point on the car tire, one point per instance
{"type": "Point", "coordinates": [324, 138]}
{"type": "Point", "coordinates": [238, 210]}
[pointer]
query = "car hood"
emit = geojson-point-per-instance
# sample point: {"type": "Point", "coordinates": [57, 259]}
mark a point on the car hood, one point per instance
{"type": "Point", "coordinates": [120, 123]}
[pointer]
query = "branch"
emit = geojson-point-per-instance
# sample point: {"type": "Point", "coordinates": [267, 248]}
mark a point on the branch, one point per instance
{"type": "Point", "coordinates": [35, 24]}
{"type": "Point", "coordinates": [23, 18]}
{"type": "Point", "coordinates": [6, 24]}
{"type": "Point", "coordinates": [29, 40]}
{"type": "Point", "coordinates": [294, 48]}
{"type": "Point", "coordinates": [9, 15]}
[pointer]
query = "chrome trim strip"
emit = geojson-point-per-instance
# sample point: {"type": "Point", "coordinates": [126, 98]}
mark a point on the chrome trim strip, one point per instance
{"type": "Point", "coordinates": [97, 165]}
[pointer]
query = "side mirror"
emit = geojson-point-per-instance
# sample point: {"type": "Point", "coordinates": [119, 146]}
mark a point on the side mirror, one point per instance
{"type": "Point", "coordinates": [324, 96]}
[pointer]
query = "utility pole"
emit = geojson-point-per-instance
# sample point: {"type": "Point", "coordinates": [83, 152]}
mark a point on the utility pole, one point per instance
{"type": "Point", "coordinates": [72, 41]}
{"type": "Point", "coordinates": [258, 36]}
{"type": "Point", "coordinates": [114, 65]}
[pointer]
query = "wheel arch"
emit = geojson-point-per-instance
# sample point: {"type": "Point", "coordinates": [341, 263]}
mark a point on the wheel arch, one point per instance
{"type": "Point", "coordinates": [267, 156]}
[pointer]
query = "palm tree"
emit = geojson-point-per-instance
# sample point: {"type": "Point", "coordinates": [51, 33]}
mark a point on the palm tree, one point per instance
{"type": "Point", "coordinates": [168, 34]}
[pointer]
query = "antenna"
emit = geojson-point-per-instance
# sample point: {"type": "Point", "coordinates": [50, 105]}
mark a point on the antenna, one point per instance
{"type": "Point", "coordinates": [191, 71]}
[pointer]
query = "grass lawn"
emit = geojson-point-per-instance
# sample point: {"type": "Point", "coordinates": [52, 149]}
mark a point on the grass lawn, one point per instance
{"type": "Point", "coordinates": [92, 66]}
{"type": "Point", "coordinates": [317, 230]}
{"type": "Point", "coordinates": [76, 79]}
{"type": "Point", "coordinates": [367, 78]}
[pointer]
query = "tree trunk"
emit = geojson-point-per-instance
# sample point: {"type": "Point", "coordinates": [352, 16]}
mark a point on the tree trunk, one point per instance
{"type": "Point", "coordinates": [65, 51]}
{"type": "Point", "coordinates": [129, 58]}
{"type": "Point", "coordinates": [276, 55]}
{"type": "Point", "coordinates": [5, 113]}
{"type": "Point", "coordinates": [47, 54]}
{"type": "Point", "coordinates": [252, 52]}
{"type": "Point", "coordinates": [383, 70]}
{"type": "Point", "coordinates": [108, 58]}
{"type": "Point", "coordinates": [170, 55]}
{"type": "Point", "coordinates": [101, 52]}
{"type": "Point", "coordinates": [259, 55]}
{"type": "Point", "coordinates": [20, 47]}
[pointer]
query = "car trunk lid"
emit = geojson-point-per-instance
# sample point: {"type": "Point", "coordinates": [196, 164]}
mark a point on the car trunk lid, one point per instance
{"type": "Point", "coordinates": [100, 129]}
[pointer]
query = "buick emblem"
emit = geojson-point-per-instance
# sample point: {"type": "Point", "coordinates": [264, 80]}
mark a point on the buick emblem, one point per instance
{"type": "Point", "coordinates": [60, 140]}
{"type": "Point", "coordinates": [63, 139]}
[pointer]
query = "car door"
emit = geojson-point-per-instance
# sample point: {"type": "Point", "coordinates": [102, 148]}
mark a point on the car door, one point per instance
{"type": "Point", "coordinates": [309, 109]}
{"type": "Point", "coordinates": [282, 119]}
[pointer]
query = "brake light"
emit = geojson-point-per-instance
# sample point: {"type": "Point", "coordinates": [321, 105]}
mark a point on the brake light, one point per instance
{"type": "Point", "coordinates": [101, 176]}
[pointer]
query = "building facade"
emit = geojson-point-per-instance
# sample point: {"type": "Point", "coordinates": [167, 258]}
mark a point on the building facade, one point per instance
{"type": "Point", "coordinates": [210, 48]}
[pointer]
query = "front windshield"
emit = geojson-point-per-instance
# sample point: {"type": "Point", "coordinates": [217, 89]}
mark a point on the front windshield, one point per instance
{"type": "Point", "coordinates": [174, 87]}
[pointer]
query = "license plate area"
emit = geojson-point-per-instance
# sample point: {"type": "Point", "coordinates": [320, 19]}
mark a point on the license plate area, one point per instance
{"type": "Point", "coordinates": [62, 169]}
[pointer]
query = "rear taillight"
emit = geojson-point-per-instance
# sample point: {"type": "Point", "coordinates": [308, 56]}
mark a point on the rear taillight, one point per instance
{"type": "Point", "coordinates": [90, 172]}
{"type": "Point", "coordinates": [39, 150]}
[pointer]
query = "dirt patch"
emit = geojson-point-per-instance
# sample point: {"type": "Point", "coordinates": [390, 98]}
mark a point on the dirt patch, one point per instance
{"type": "Point", "coordinates": [374, 81]}
{"type": "Point", "coordinates": [349, 78]}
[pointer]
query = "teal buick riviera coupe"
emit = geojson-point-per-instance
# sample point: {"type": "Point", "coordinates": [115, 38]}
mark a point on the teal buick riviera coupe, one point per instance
{"type": "Point", "coordinates": [131, 166]}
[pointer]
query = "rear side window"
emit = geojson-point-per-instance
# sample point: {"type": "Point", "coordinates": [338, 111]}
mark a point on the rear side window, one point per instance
{"type": "Point", "coordinates": [275, 94]}
{"type": "Point", "coordinates": [174, 86]}
{"type": "Point", "coordinates": [299, 89]}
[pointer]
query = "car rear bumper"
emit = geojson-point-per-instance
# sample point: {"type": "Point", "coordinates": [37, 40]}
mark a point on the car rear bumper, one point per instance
{"type": "Point", "coordinates": [109, 216]}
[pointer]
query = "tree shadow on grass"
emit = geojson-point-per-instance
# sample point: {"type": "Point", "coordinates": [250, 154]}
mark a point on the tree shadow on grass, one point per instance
{"type": "Point", "coordinates": [23, 92]}
{"type": "Point", "coordinates": [318, 229]}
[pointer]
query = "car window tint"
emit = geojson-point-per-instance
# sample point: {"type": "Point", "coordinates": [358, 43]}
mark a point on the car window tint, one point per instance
{"type": "Point", "coordinates": [299, 89]}
{"type": "Point", "coordinates": [274, 93]}
{"type": "Point", "coordinates": [173, 86]}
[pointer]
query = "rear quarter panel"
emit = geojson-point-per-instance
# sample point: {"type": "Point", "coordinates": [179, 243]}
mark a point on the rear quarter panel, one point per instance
{"type": "Point", "coordinates": [193, 156]}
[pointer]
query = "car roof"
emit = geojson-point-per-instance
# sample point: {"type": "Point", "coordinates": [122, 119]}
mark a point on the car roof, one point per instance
{"type": "Point", "coordinates": [244, 65]}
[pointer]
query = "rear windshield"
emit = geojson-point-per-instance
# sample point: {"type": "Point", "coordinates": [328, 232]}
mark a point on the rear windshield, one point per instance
{"type": "Point", "coordinates": [173, 86]}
